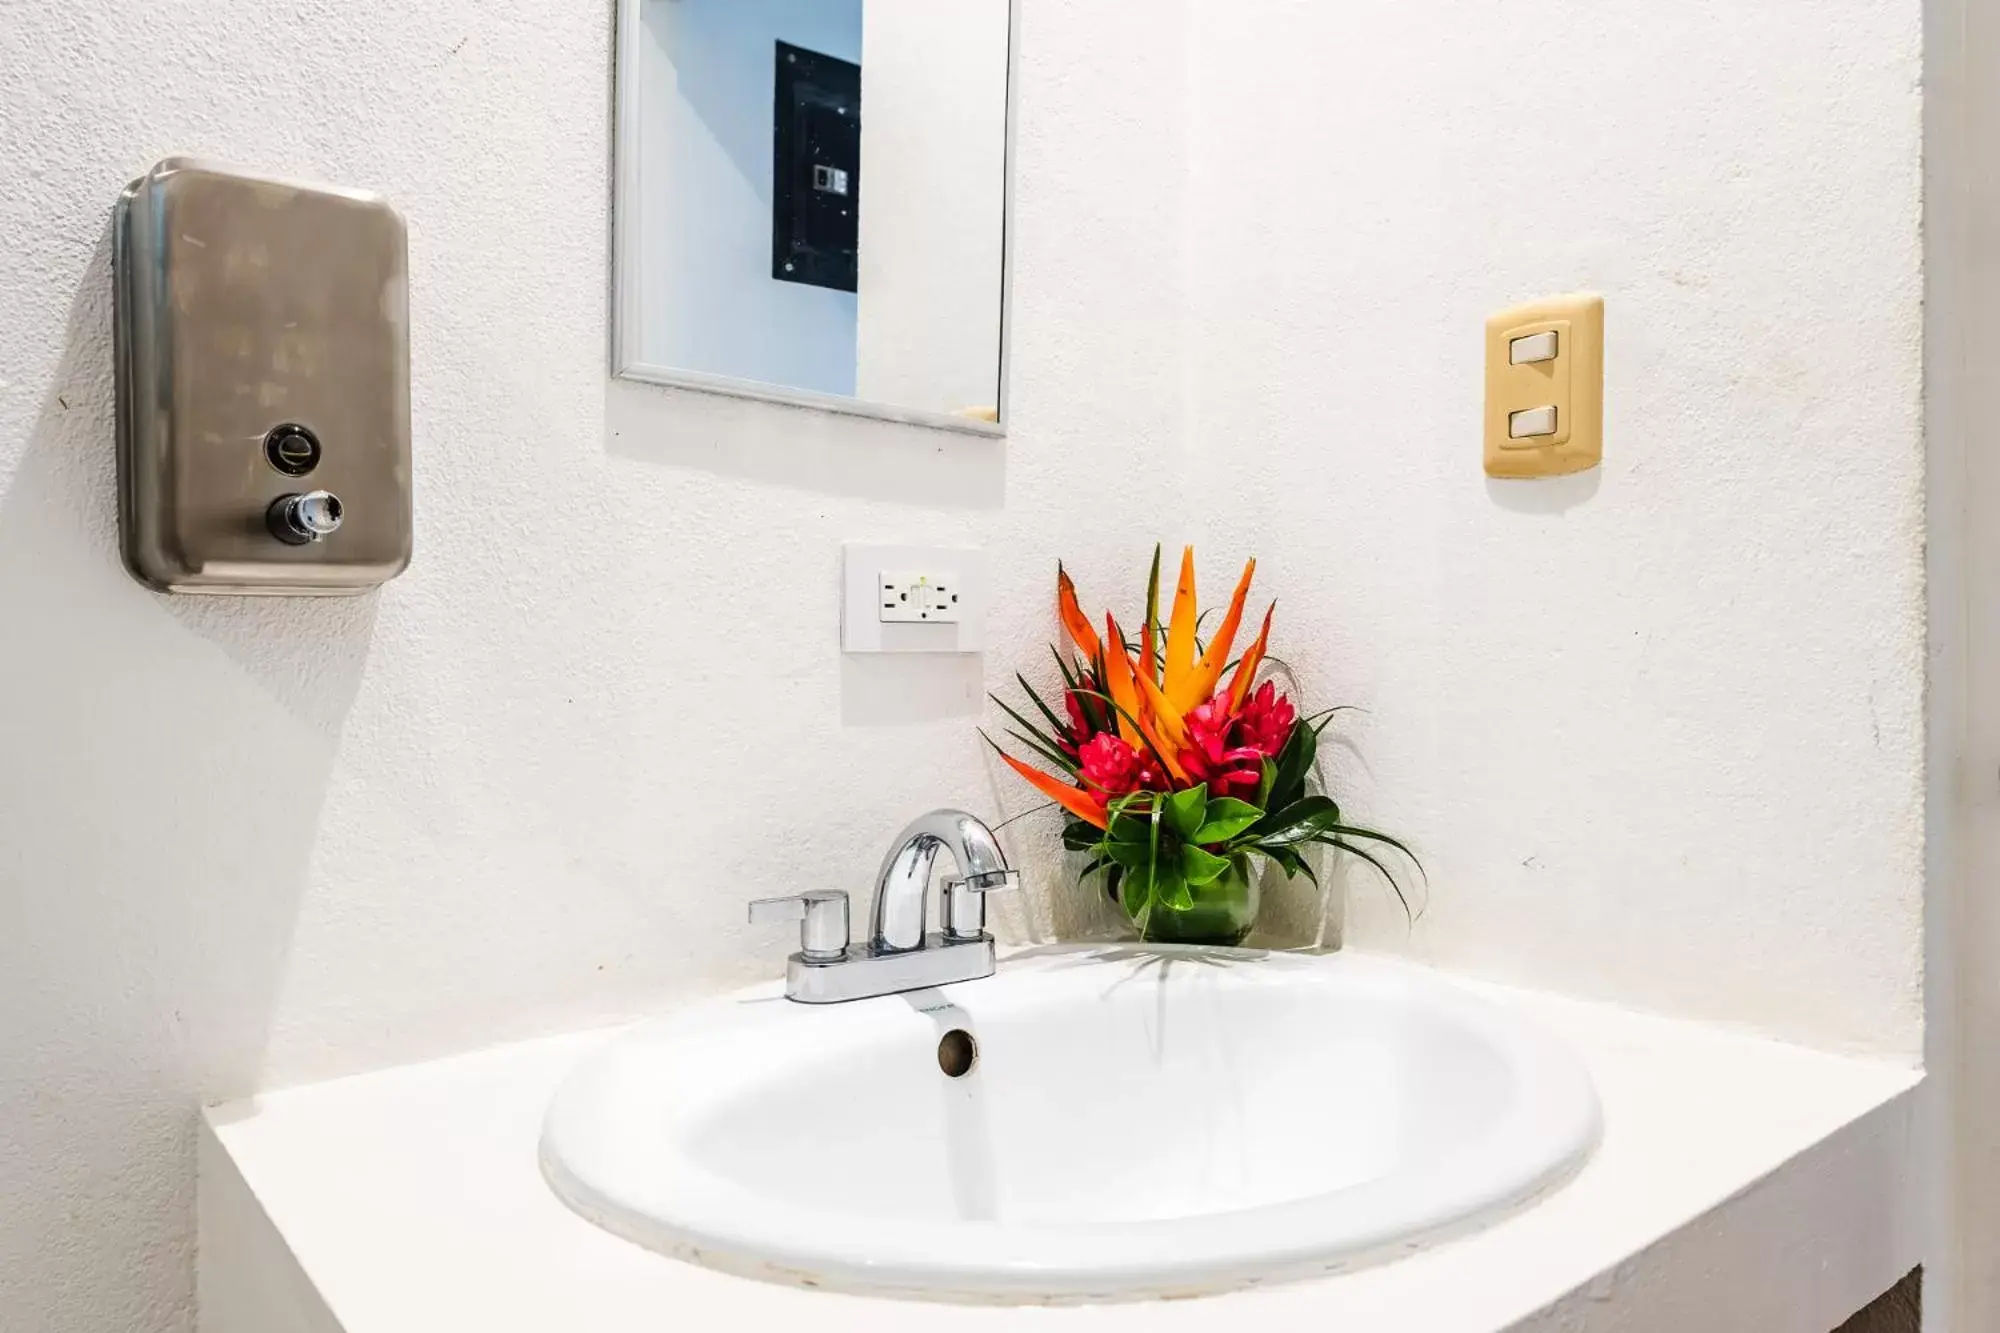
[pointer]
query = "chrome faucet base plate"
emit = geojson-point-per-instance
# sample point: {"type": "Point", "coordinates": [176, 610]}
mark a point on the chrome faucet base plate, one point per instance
{"type": "Point", "coordinates": [864, 973]}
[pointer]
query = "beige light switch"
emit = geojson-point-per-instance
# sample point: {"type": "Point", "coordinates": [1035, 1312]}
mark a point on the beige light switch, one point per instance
{"type": "Point", "coordinates": [1531, 424]}
{"type": "Point", "coordinates": [1534, 347]}
{"type": "Point", "coordinates": [1545, 387]}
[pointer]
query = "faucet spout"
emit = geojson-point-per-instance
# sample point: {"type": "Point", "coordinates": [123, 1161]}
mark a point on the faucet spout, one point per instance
{"type": "Point", "coordinates": [904, 883]}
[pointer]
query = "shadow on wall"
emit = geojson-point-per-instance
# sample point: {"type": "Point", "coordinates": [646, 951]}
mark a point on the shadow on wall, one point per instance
{"type": "Point", "coordinates": [1545, 495]}
{"type": "Point", "coordinates": [166, 763]}
{"type": "Point", "coordinates": [805, 449]}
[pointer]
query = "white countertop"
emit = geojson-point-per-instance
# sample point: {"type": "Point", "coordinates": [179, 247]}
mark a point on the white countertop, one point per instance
{"type": "Point", "coordinates": [1742, 1184]}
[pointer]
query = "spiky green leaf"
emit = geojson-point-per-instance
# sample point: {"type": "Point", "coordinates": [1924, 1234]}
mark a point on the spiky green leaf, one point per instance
{"type": "Point", "coordinates": [1380, 869]}
{"type": "Point", "coordinates": [1042, 741]}
{"type": "Point", "coordinates": [1056, 725]}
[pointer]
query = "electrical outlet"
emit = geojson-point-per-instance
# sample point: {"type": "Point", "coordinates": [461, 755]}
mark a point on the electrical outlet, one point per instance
{"type": "Point", "coordinates": [911, 597]}
{"type": "Point", "coordinates": [944, 599]}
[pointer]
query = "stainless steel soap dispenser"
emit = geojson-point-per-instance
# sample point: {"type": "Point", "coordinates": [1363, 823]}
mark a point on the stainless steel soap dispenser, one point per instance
{"type": "Point", "coordinates": [263, 351]}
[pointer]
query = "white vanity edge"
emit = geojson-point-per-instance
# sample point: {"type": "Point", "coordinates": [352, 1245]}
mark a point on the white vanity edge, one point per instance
{"type": "Point", "coordinates": [1743, 1186]}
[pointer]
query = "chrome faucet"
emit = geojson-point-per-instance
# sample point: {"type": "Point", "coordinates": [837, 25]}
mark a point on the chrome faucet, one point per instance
{"type": "Point", "coordinates": [900, 954]}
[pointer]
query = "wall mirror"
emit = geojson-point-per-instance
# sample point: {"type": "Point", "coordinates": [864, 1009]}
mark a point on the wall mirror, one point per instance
{"type": "Point", "coordinates": [812, 203]}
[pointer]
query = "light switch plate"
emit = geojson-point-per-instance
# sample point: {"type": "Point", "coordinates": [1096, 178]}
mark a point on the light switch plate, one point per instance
{"type": "Point", "coordinates": [1571, 382]}
{"type": "Point", "coordinates": [912, 599]}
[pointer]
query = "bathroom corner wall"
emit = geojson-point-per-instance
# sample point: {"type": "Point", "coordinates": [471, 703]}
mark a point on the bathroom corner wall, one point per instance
{"type": "Point", "coordinates": [527, 786]}
{"type": "Point", "coordinates": [1962, 408]}
{"type": "Point", "coordinates": [1657, 729]}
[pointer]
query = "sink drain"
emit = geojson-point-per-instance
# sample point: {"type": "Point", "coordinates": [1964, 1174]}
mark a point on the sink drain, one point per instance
{"type": "Point", "coordinates": [957, 1053]}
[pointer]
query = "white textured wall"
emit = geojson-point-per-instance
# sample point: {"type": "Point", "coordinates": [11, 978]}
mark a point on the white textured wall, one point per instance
{"type": "Point", "coordinates": [530, 783]}
{"type": "Point", "coordinates": [934, 167]}
{"type": "Point", "coordinates": [703, 223]}
{"type": "Point", "coordinates": [1657, 729]}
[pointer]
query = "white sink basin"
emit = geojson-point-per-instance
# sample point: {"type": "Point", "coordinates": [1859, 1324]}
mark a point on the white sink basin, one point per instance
{"type": "Point", "coordinates": [1137, 1122]}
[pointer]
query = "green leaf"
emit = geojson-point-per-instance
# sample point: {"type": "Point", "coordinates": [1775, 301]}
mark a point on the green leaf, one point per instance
{"type": "Point", "coordinates": [1354, 831]}
{"type": "Point", "coordinates": [1171, 887]}
{"type": "Point", "coordinates": [1153, 831]}
{"type": "Point", "coordinates": [1140, 886]}
{"type": "Point", "coordinates": [1137, 804]}
{"type": "Point", "coordinates": [1294, 763]}
{"type": "Point", "coordinates": [1380, 869]}
{"type": "Point", "coordinates": [1265, 783]}
{"type": "Point", "coordinates": [1199, 867]}
{"type": "Point", "coordinates": [1134, 856]}
{"type": "Point", "coordinates": [1330, 832]}
{"type": "Point", "coordinates": [1186, 810]}
{"type": "Point", "coordinates": [1285, 859]}
{"type": "Point", "coordinates": [1320, 720]}
{"type": "Point", "coordinates": [1048, 752]}
{"type": "Point", "coordinates": [1226, 817]}
{"type": "Point", "coordinates": [1056, 725]}
{"type": "Point", "coordinates": [1078, 836]}
{"type": "Point", "coordinates": [1031, 810]}
{"type": "Point", "coordinates": [1036, 736]}
{"type": "Point", "coordinates": [1151, 666]}
{"type": "Point", "coordinates": [1047, 738]}
{"type": "Point", "coordinates": [1098, 719]}
{"type": "Point", "coordinates": [1135, 895]}
{"type": "Point", "coordinates": [1300, 821]}
{"type": "Point", "coordinates": [1131, 829]}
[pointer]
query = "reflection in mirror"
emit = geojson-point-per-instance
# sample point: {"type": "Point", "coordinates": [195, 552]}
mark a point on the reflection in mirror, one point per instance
{"type": "Point", "coordinates": [812, 202]}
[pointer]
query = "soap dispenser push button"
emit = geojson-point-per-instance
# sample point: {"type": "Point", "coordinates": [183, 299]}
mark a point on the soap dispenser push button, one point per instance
{"type": "Point", "coordinates": [298, 519]}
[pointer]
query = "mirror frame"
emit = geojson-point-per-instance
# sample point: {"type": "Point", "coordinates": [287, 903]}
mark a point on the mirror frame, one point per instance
{"type": "Point", "coordinates": [625, 363]}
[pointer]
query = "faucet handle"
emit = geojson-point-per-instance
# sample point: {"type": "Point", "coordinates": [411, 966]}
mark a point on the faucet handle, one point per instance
{"type": "Point", "coordinates": [965, 902]}
{"type": "Point", "coordinates": [822, 914]}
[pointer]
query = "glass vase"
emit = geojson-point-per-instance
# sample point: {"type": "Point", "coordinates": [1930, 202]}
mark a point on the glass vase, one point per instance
{"type": "Point", "coordinates": [1223, 911]}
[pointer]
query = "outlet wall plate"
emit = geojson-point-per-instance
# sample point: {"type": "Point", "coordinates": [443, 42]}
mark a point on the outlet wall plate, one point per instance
{"type": "Point", "coordinates": [864, 569]}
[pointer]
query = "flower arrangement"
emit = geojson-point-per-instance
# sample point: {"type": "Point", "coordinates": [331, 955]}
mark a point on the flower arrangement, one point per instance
{"type": "Point", "coordinates": [1176, 767]}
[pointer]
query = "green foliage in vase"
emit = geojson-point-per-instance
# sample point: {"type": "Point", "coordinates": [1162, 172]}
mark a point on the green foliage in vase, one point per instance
{"type": "Point", "coordinates": [1168, 774]}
